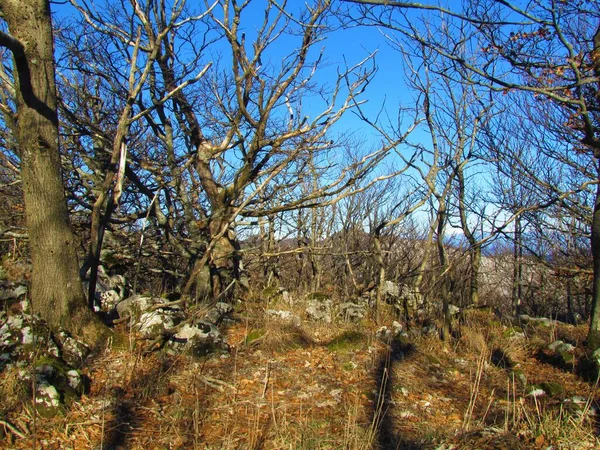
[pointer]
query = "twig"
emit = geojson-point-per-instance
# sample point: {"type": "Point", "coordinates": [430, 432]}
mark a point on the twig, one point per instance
{"type": "Point", "coordinates": [121, 320]}
{"type": "Point", "coordinates": [167, 305]}
{"type": "Point", "coordinates": [217, 384]}
{"type": "Point", "coordinates": [267, 376]}
{"type": "Point", "coordinates": [12, 429]}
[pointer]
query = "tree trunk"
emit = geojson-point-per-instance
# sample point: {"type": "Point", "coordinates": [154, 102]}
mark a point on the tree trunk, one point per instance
{"type": "Point", "coordinates": [56, 290]}
{"type": "Point", "coordinates": [218, 275]}
{"type": "Point", "coordinates": [381, 275]}
{"type": "Point", "coordinates": [593, 340]}
{"type": "Point", "coordinates": [420, 271]}
{"type": "Point", "coordinates": [517, 284]}
{"type": "Point", "coordinates": [475, 266]}
{"type": "Point", "coordinates": [444, 281]}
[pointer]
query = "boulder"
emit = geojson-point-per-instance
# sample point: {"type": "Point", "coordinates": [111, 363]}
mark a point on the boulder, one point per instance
{"type": "Point", "coordinates": [47, 400]}
{"type": "Point", "coordinates": [453, 310]}
{"type": "Point", "coordinates": [391, 289]}
{"type": "Point", "coordinates": [596, 358]}
{"type": "Point", "coordinates": [136, 304]}
{"type": "Point", "coordinates": [153, 323]}
{"type": "Point", "coordinates": [218, 312]}
{"type": "Point", "coordinates": [385, 334]}
{"type": "Point", "coordinates": [286, 316]}
{"type": "Point", "coordinates": [319, 311]}
{"type": "Point", "coordinates": [563, 353]}
{"type": "Point", "coordinates": [23, 336]}
{"type": "Point", "coordinates": [351, 311]}
{"type": "Point", "coordinates": [287, 298]}
{"type": "Point", "coordinates": [200, 339]}
{"type": "Point", "coordinates": [72, 351]}
{"type": "Point", "coordinates": [581, 406]}
{"type": "Point", "coordinates": [56, 386]}
{"type": "Point", "coordinates": [12, 291]}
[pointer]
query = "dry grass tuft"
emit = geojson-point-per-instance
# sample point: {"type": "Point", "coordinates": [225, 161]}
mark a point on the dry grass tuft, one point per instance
{"type": "Point", "coordinates": [323, 386]}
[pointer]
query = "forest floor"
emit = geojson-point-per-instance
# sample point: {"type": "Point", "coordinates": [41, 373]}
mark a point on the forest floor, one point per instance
{"type": "Point", "coordinates": [331, 386]}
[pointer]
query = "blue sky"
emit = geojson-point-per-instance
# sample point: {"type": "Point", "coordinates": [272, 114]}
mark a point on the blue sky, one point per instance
{"type": "Point", "coordinates": [342, 46]}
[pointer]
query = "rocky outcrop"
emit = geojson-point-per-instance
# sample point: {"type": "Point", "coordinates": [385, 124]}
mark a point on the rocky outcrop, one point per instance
{"type": "Point", "coordinates": [166, 322]}
{"type": "Point", "coordinates": [349, 311]}
{"type": "Point", "coordinates": [319, 310]}
{"type": "Point", "coordinates": [55, 381]}
{"type": "Point", "coordinates": [285, 316]}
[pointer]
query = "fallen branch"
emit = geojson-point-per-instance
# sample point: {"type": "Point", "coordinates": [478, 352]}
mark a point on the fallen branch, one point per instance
{"type": "Point", "coordinates": [217, 384]}
{"type": "Point", "coordinates": [12, 429]}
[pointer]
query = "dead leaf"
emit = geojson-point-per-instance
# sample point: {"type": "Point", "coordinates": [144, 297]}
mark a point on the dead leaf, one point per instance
{"type": "Point", "coordinates": [539, 441]}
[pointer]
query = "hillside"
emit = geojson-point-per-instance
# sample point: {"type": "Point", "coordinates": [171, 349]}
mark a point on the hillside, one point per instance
{"type": "Point", "coordinates": [317, 385]}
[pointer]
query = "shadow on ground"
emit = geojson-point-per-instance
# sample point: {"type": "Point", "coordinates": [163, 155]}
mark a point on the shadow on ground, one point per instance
{"type": "Point", "coordinates": [382, 416]}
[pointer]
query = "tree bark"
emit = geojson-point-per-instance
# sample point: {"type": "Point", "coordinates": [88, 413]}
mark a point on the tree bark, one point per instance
{"type": "Point", "coordinates": [218, 275]}
{"type": "Point", "coordinates": [517, 284]}
{"type": "Point", "coordinates": [381, 275]}
{"type": "Point", "coordinates": [56, 290]}
{"type": "Point", "coordinates": [444, 276]}
{"type": "Point", "coordinates": [593, 340]}
{"type": "Point", "coordinates": [474, 282]}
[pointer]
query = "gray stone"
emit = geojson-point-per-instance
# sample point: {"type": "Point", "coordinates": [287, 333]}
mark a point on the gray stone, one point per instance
{"type": "Point", "coordinates": [453, 310]}
{"type": "Point", "coordinates": [218, 312]}
{"type": "Point", "coordinates": [384, 334]}
{"type": "Point", "coordinates": [75, 380]}
{"type": "Point", "coordinates": [544, 321]}
{"type": "Point", "coordinates": [286, 316]}
{"type": "Point", "coordinates": [536, 392]}
{"type": "Point", "coordinates": [12, 293]}
{"type": "Point", "coordinates": [287, 298]}
{"type": "Point", "coordinates": [351, 311]}
{"type": "Point", "coordinates": [47, 400]}
{"type": "Point", "coordinates": [152, 323]}
{"type": "Point", "coordinates": [560, 347]}
{"type": "Point", "coordinates": [397, 328]}
{"type": "Point", "coordinates": [136, 304]}
{"type": "Point", "coordinates": [56, 386]}
{"type": "Point", "coordinates": [596, 357]}
{"type": "Point", "coordinates": [200, 338]}
{"type": "Point", "coordinates": [524, 318]}
{"type": "Point", "coordinates": [410, 298]}
{"type": "Point", "coordinates": [391, 289]}
{"type": "Point", "coordinates": [109, 299]}
{"type": "Point", "coordinates": [72, 351]}
{"type": "Point", "coordinates": [319, 311]}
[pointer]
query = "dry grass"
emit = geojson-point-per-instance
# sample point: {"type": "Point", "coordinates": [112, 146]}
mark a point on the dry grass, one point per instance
{"type": "Point", "coordinates": [319, 386]}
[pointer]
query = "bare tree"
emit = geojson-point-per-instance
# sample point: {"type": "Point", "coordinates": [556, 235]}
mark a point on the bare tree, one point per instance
{"type": "Point", "coordinates": [547, 49]}
{"type": "Point", "coordinates": [217, 126]}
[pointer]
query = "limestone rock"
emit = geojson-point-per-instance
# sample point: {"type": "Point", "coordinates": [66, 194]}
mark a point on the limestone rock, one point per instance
{"type": "Point", "coordinates": [72, 351]}
{"type": "Point", "coordinates": [563, 353]}
{"type": "Point", "coordinates": [319, 311]}
{"type": "Point", "coordinates": [391, 289]}
{"type": "Point", "coordinates": [152, 323]}
{"type": "Point", "coordinates": [286, 316]}
{"type": "Point", "coordinates": [200, 338]}
{"type": "Point", "coordinates": [351, 311]}
{"type": "Point", "coordinates": [218, 312]}
{"type": "Point", "coordinates": [11, 291]}
{"type": "Point", "coordinates": [136, 304]}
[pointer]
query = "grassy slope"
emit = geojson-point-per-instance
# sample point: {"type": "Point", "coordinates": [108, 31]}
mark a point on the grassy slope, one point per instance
{"type": "Point", "coordinates": [325, 386]}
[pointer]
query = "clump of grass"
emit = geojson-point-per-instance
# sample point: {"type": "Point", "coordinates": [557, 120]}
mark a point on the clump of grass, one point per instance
{"type": "Point", "coordinates": [282, 337]}
{"type": "Point", "coordinates": [348, 340]}
{"type": "Point", "coordinates": [13, 391]}
{"type": "Point", "coordinates": [253, 336]}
